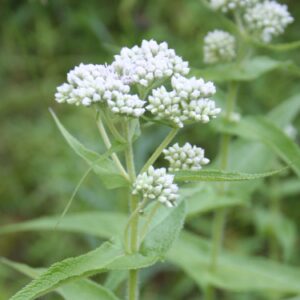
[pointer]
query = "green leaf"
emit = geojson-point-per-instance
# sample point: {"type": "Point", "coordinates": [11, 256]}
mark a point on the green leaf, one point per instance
{"type": "Point", "coordinates": [284, 114]}
{"type": "Point", "coordinates": [288, 187]}
{"type": "Point", "coordinates": [105, 258]}
{"type": "Point", "coordinates": [219, 175]}
{"type": "Point", "coordinates": [114, 279]}
{"type": "Point", "coordinates": [246, 70]}
{"type": "Point", "coordinates": [164, 231]}
{"type": "Point", "coordinates": [280, 47]}
{"type": "Point", "coordinates": [102, 224]}
{"type": "Point", "coordinates": [203, 198]}
{"type": "Point", "coordinates": [277, 226]}
{"type": "Point", "coordinates": [261, 129]}
{"type": "Point", "coordinates": [77, 290]}
{"type": "Point", "coordinates": [102, 165]}
{"type": "Point", "coordinates": [234, 272]}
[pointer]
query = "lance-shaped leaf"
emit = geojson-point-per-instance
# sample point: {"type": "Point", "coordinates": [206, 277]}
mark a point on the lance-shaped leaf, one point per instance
{"type": "Point", "coordinates": [77, 290]}
{"type": "Point", "coordinates": [101, 224]}
{"type": "Point", "coordinates": [107, 257]}
{"type": "Point", "coordinates": [102, 165]}
{"type": "Point", "coordinates": [219, 175]}
{"type": "Point", "coordinates": [279, 47]}
{"type": "Point", "coordinates": [263, 130]}
{"type": "Point", "coordinates": [234, 272]}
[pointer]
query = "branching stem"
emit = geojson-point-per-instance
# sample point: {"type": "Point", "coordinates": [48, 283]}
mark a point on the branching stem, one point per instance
{"type": "Point", "coordinates": [107, 143]}
{"type": "Point", "coordinates": [168, 139]}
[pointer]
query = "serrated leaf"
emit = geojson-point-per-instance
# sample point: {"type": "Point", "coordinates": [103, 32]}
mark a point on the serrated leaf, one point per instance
{"type": "Point", "coordinates": [219, 175]}
{"type": "Point", "coordinates": [234, 272]}
{"type": "Point", "coordinates": [101, 224]}
{"type": "Point", "coordinates": [107, 257]}
{"type": "Point", "coordinates": [77, 290]}
{"type": "Point", "coordinates": [102, 165]}
{"type": "Point", "coordinates": [164, 231]}
{"type": "Point", "coordinates": [263, 130]}
{"type": "Point", "coordinates": [246, 70]}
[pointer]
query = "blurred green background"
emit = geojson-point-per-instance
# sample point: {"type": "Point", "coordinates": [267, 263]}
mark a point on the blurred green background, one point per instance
{"type": "Point", "coordinates": [40, 41]}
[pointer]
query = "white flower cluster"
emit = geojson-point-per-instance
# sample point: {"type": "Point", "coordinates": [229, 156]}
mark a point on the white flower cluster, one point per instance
{"type": "Point", "coordinates": [88, 84]}
{"type": "Point", "coordinates": [228, 5]}
{"type": "Point", "coordinates": [187, 102]}
{"type": "Point", "coordinates": [157, 184]}
{"type": "Point", "coordinates": [219, 46]}
{"type": "Point", "coordinates": [268, 19]}
{"type": "Point", "coordinates": [149, 62]}
{"type": "Point", "coordinates": [187, 157]}
{"type": "Point", "coordinates": [111, 84]}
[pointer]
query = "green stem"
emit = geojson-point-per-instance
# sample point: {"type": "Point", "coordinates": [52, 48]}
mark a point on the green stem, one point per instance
{"type": "Point", "coordinates": [129, 223]}
{"type": "Point", "coordinates": [168, 139]}
{"type": "Point", "coordinates": [133, 283]}
{"type": "Point", "coordinates": [274, 250]}
{"type": "Point", "coordinates": [112, 128]}
{"type": "Point", "coordinates": [133, 292]}
{"type": "Point", "coordinates": [107, 143]}
{"type": "Point", "coordinates": [220, 215]}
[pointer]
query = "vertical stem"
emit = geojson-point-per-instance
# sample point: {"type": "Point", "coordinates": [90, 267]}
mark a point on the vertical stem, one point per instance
{"type": "Point", "coordinates": [274, 250]}
{"type": "Point", "coordinates": [220, 215]}
{"type": "Point", "coordinates": [133, 293]}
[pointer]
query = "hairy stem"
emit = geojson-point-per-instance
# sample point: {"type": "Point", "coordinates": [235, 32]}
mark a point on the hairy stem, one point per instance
{"type": "Point", "coordinates": [107, 143]}
{"type": "Point", "coordinates": [129, 224]}
{"type": "Point", "coordinates": [168, 139]}
{"type": "Point", "coordinates": [133, 292]}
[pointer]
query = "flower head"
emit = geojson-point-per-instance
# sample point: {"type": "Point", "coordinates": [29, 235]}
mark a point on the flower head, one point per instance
{"type": "Point", "coordinates": [228, 5]}
{"type": "Point", "coordinates": [187, 157]}
{"type": "Point", "coordinates": [189, 101]}
{"type": "Point", "coordinates": [88, 84]}
{"type": "Point", "coordinates": [149, 62]}
{"type": "Point", "coordinates": [219, 46]}
{"type": "Point", "coordinates": [157, 184]}
{"type": "Point", "coordinates": [267, 19]}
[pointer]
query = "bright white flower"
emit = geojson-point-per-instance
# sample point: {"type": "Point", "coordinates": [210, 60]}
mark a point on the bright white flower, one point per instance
{"type": "Point", "coordinates": [187, 102]}
{"type": "Point", "coordinates": [228, 5]}
{"type": "Point", "coordinates": [151, 61]}
{"type": "Point", "coordinates": [219, 46]}
{"type": "Point", "coordinates": [267, 19]}
{"type": "Point", "coordinates": [129, 105]}
{"type": "Point", "coordinates": [157, 184]}
{"type": "Point", "coordinates": [88, 84]}
{"type": "Point", "coordinates": [187, 157]}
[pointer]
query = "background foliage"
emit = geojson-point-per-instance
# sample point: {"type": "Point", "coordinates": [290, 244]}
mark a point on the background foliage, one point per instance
{"type": "Point", "coordinates": [42, 40]}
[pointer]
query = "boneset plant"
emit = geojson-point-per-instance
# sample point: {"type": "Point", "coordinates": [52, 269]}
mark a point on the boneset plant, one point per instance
{"type": "Point", "coordinates": [146, 85]}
